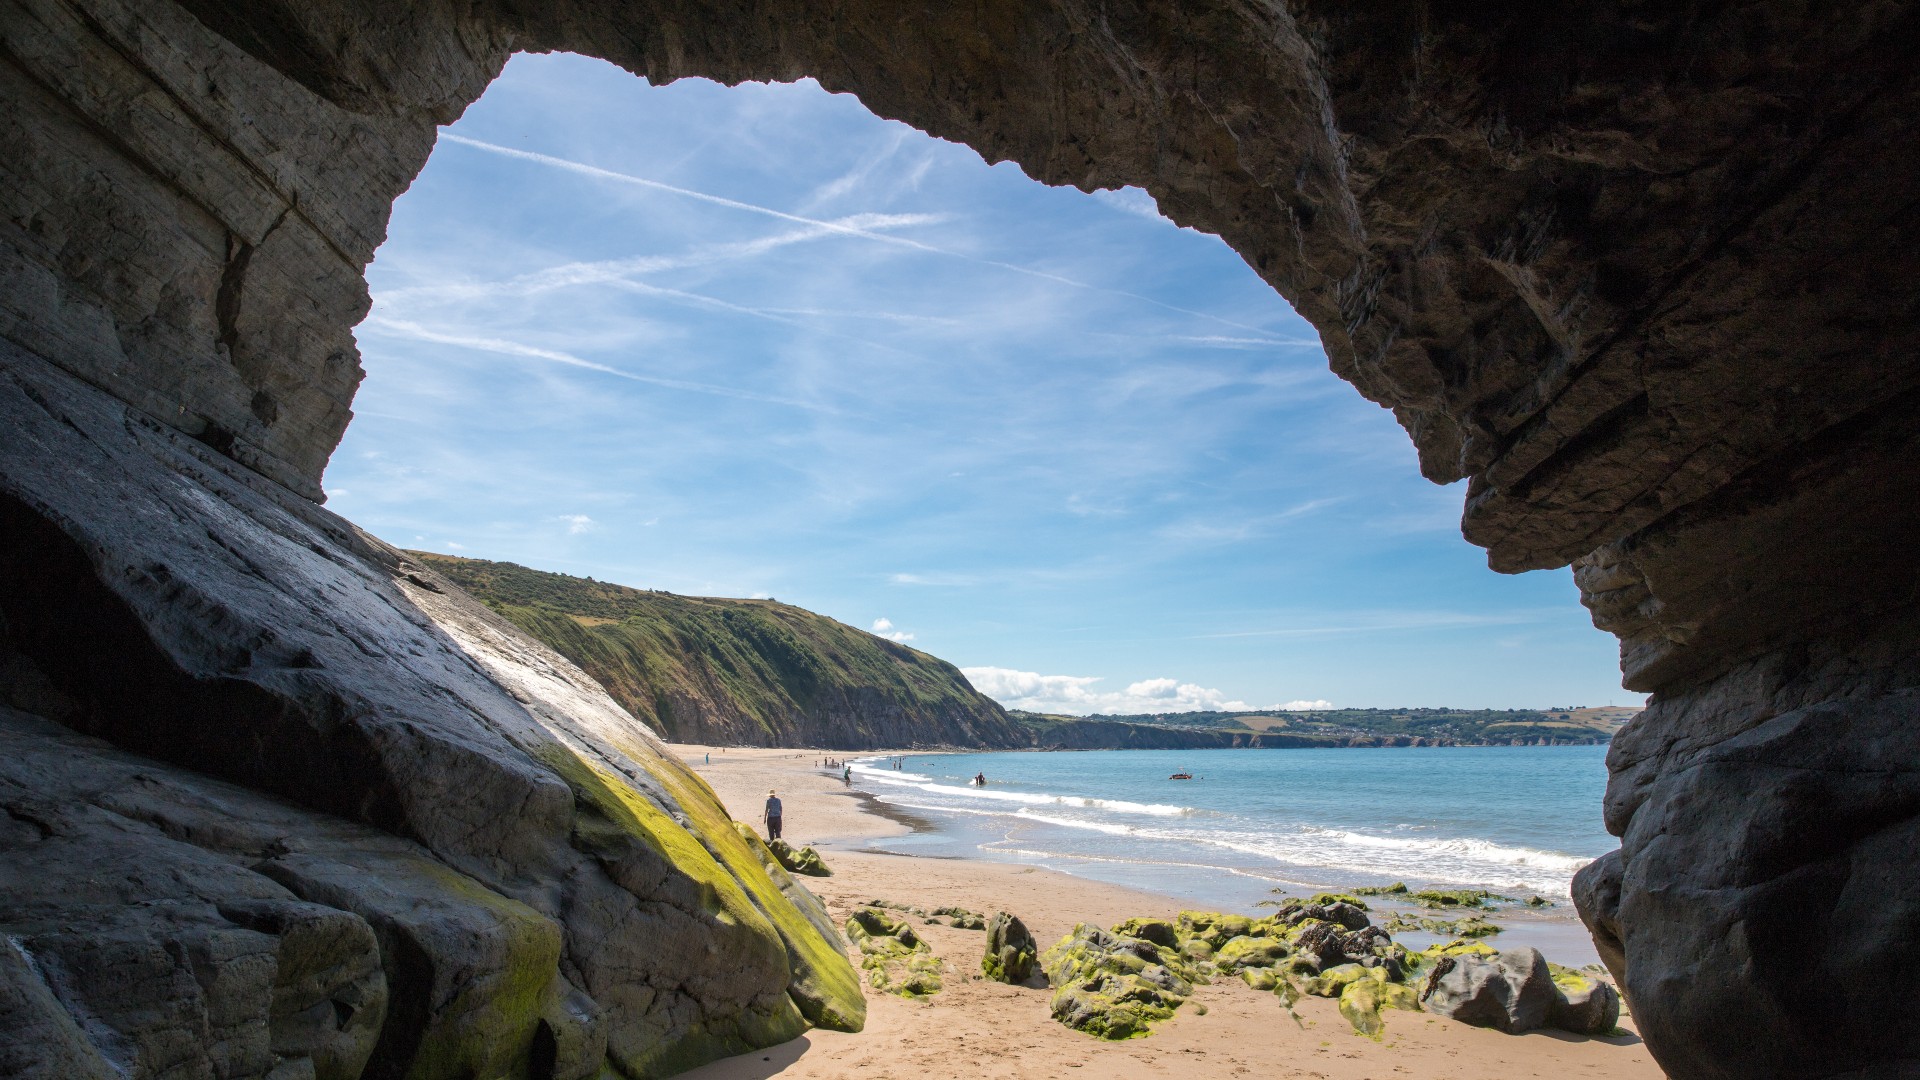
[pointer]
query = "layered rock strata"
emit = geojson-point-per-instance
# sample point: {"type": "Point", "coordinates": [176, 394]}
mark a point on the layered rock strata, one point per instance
{"type": "Point", "coordinates": [276, 799]}
{"type": "Point", "coordinates": [1640, 274]}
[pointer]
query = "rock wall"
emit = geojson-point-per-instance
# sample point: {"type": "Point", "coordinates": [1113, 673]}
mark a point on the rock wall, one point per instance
{"type": "Point", "coordinates": [1640, 273]}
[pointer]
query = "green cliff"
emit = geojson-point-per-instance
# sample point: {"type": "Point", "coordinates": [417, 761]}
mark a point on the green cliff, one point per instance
{"type": "Point", "coordinates": [752, 672]}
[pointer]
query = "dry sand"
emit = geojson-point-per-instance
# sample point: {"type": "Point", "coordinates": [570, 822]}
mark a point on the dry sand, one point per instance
{"type": "Point", "coordinates": [975, 1028]}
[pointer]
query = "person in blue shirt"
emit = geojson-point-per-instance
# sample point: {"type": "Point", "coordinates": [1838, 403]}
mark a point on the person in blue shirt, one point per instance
{"type": "Point", "coordinates": [772, 816]}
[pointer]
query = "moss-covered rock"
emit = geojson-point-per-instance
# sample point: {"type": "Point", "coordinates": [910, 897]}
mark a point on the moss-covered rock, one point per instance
{"type": "Point", "coordinates": [1471, 926]}
{"type": "Point", "coordinates": [895, 958]}
{"type": "Point", "coordinates": [1250, 952]}
{"type": "Point", "coordinates": [1582, 1004]}
{"type": "Point", "coordinates": [1112, 985]}
{"type": "Point", "coordinates": [1398, 888]}
{"type": "Point", "coordinates": [1212, 927]}
{"type": "Point", "coordinates": [1363, 1000]}
{"type": "Point", "coordinates": [1011, 951]}
{"type": "Point", "coordinates": [799, 860]}
{"type": "Point", "coordinates": [1159, 931]}
{"type": "Point", "coordinates": [729, 881]}
{"type": "Point", "coordinates": [1442, 899]}
{"type": "Point", "coordinates": [962, 919]}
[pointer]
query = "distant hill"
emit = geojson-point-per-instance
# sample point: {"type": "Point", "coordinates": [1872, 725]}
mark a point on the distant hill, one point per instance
{"type": "Point", "coordinates": [1385, 727]}
{"type": "Point", "coordinates": [741, 672]}
{"type": "Point", "coordinates": [763, 673]}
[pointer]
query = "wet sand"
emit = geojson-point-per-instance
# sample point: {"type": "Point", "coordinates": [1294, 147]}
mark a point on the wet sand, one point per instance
{"type": "Point", "coordinates": [976, 1028]}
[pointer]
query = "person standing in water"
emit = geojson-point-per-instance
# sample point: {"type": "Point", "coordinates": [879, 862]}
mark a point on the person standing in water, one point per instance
{"type": "Point", "coordinates": [772, 816]}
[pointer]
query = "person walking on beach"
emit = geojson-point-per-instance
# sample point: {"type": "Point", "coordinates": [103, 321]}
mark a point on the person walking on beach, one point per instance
{"type": "Point", "coordinates": [847, 776]}
{"type": "Point", "coordinates": [772, 816]}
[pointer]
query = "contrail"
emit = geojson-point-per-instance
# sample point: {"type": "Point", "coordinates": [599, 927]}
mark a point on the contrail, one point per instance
{"type": "Point", "coordinates": [832, 226]}
{"type": "Point", "coordinates": [513, 348]}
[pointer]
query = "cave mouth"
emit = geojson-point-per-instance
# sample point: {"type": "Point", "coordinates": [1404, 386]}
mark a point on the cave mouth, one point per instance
{"type": "Point", "coordinates": [755, 340]}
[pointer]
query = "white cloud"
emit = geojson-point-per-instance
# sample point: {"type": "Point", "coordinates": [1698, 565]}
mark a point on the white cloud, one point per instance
{"type": "Point", "coordinates": [1306, 706]}
{"type": "Point", "coordinates": [1075, 694]}
{"type": "Point", "coordinates": [884, 628]}
{"type": "Point", "coordinates": [579, 523]}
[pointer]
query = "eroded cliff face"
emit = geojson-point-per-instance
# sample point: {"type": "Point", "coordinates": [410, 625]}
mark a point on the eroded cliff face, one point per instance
{"type": "Point", "coordinates": [1641, 273]}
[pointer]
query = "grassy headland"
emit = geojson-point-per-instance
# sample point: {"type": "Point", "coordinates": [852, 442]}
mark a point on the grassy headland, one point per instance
{"type": "Point", "coordinates": [744, 672]}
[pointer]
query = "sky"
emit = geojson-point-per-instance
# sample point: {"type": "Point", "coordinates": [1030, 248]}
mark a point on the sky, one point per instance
{"type": "Point", "coordinates": [755, 341]}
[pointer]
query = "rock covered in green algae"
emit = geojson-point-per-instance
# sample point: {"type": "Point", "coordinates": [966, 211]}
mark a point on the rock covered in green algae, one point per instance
{"type": "Point", "coordinates": [1471, 926]}
{"type": "Point", "coordinates": [1112, 985]}
{"type": "Point", "coordinates": [1582, 1004]}
{"type": "Point", "coordinates": [1011, 951]}
{"type": "Point", "coordinates": [962, 919]}
{"type": "Point", "coordinates": [1442, 899]}
{"type": "Point", "coordinates": [799, 860]}
{"type": "Point", "coordinates": [1363, 999]}
{"type": "Point", "coordinates": [894, 957]}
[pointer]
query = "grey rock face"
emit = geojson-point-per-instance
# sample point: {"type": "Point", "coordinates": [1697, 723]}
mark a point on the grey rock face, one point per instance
{"type": "Point", "coordinates": [1641, 276]}
{"type": "Point", "coordinates": [432, 840]}
{"type": "Point", "coordinates": [1010, 950]}
{"type": "Point", "coordinates": [1511, 991]}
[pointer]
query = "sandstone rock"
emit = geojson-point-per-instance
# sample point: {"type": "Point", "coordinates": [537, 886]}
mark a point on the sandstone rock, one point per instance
{"type": "Point", "coordinates": [1510, 991]}
{"type": "Point", "coordinates": [1010, 951]}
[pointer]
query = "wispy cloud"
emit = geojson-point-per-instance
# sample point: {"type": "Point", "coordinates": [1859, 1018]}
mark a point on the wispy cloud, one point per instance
{"type": "Point", "coordinates": [502, 347]}
{"type": "Point", "coordinates": [847, 230]}
{"type": "Point", "coordinates": [578, 523]}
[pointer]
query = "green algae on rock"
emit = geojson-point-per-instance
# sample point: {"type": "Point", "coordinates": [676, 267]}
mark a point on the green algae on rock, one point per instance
{"type": "Point", "coordinates": [798, 860]}
{"type": "Point", "coordinates": [1114, 986]}
{"type": "Point", "coordinates": [895, 958]}
{"type": "Point", "coordinates": [960, 918]}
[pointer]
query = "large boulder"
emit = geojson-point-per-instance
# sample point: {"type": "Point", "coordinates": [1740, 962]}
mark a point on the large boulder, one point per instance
{"type": "Point", "coordinates": [1511, 991]}
{"type": "Point", "coordinates": [1010, 952]}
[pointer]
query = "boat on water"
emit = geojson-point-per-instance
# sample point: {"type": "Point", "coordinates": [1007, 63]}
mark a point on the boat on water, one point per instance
{"type": "Point", "coordinates": [1181, 776]}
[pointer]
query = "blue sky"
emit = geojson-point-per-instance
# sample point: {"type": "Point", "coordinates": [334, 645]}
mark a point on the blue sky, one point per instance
{"type": "Point", "coordinates": [754, 341]}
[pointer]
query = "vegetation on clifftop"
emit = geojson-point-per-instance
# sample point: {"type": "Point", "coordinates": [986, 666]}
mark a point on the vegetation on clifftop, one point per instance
{"type": "Point", "coordinates": [756, 672]}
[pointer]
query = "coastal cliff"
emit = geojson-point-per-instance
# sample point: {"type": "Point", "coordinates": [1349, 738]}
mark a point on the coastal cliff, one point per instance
{"type": "Point", "coordinates": [1641, 275]}
{"type": "Point", "coordinates": [740, 672]}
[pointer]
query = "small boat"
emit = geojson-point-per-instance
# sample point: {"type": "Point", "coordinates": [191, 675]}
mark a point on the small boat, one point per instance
{"type": "Point", "coordinates": [1181, 776]}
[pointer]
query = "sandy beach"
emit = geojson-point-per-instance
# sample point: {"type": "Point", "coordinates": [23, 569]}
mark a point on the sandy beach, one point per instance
{"type": "Point", "coordinates": [979, 1028]}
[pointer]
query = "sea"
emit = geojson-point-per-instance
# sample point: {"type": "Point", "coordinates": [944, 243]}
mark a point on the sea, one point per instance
{"type": "Point", "coordinates": [1256, 824]}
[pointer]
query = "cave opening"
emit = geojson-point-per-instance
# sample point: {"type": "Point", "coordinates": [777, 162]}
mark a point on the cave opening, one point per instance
{"type": "Point", "coordinates": [756, 341]}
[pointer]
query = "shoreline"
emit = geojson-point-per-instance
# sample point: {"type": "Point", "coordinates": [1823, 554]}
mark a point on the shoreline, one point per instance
{"type": "Point", "coordinates": [980, 1028]}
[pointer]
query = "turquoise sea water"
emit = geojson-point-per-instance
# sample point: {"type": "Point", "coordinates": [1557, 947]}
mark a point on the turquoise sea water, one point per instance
{"type": "Point", "coordinates": [1515, 820]}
